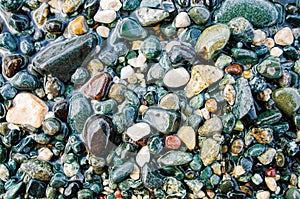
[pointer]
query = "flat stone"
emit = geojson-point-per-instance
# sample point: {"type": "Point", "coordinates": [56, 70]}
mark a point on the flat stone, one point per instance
{"type": "Point", "coordinates": [260, 13]}
{"type": "Point", "coordinates": [96, 87]}
{"type": "Point", "coordinates": [176, 78]}
{"type": "Point", "coordinates": [187, 136]}
{"type": "Point", "coordinates": [37, 169]}
{"type": "Point", "coordinates": [211, 127]}
{"type": "Point", "coordinates": [143, 156]}
{"type": "Point", "coordinates": [209, 151]}
{"type": "Point", "coordinates": [105, 16]}
{"type": "Point", "coordinates": [27, 109]}
{"type": "Point", "coordinates": [270, 68]}
{"type": "Point", "coordinates": [243, 100]}
{"type": "Point", "coordinates": [164, 121]}
{"type": "Point", "coordinates": [284, 37]}
{"type": "Point", "coordinates": [267, 157]}
{"type": "Point", "coordinates": [151, 16]}
{"type": "Point", "coordinates": [287, 99]}
{"type": "Point", "coordinates": [61, 59]}
{"type": "Point", "coordinates": [138, 131]}
{"type": "Point", "coordinates": [202, 76]}
{"type": "Point", "coordinates": [175, 158]}
{"type": "Point", "coordinates": [122, 172]}
{"type": "Point", "coordinates": [213, 39]}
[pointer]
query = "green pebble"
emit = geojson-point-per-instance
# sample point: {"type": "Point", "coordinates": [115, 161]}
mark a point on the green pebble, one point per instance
{"type": "Point", "coordinates": [174, 158]}
{"type": "Point", "coordinates": [85, 194]}
{"type": "Point", "coordinates": [241, 29]}
{"type": "Point", "coordinates": [244, 56]}
{"type": "Point", "coordinates": [132, 30]}
{"type": "Point", "coordinates": [228, 121]}
{"type": "Point", "coordinates": [256, 150]}
{"type": "Point", "coordinates": [129, 5]}
{"type": "Point", "coordinates": [292, 193]}
{"type": "Point", "coordinates": [13, 191]}
{"type": "Point", "coordinates": [287, 99]}
{"type": "Point", "coordinates": [121, 172]}
{"type": "Point", "coordinates": [268, 117]}
{"type": "Point", "coordinates": [270, 68]}
{"type": "Point", "coordinates": [151, 47]}
{"type": "Point", "coordinates": [199, 14]}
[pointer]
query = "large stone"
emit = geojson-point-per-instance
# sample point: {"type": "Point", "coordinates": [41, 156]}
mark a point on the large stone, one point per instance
{"type": "Point", "coordinates": [244, 100]}
{"type": "Point", "coordinates": [202, 77]}
{"type": "Point", "coordinates": [287, 100]}
{"type": "Point", "coordinates": [27, 109]}
{"type": "Point", "coordinates": [211, 127]}
{"type": "Point", "coordinates": [209, 151]}
{"type": "Point", "coordinates": [151, 16]}
{"type": "Point", "coordinates": [37, 169]}
{"type": "Point", "coordinates": [176, 77]}
{"type": "Point", "coordinates": [61, 59]}
{"type": "Point", "coordinates": [213, 39]}
{"type": "Point", "coordinates": [260, 13]}
{"type": "Point", "coordinates": [164, 121]}
{"type": "Point", "coordinates": [175, 158]}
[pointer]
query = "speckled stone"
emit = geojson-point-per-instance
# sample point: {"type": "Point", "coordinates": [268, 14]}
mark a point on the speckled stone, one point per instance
{"type": "Point", "coordinates": [78, 26]}
{"type": "Point", "coordinates": [209, 151]}
{"type": "Point", "coordinates": [187, 136]}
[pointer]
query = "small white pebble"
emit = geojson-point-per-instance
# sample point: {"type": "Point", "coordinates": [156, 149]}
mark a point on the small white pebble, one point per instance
{"type": "Point", "coordinates": [45, 154]}
{"type": "Point", "coordinates": [105, 16]}
{"type": "Point", "coordinates": [110, 5]}
{"type": "Point", "coordinates": [269, 43]}
{"type": "Point", "coordinates": [262, 194]}
{"type": "Point", "coordinates": [182, 20]}
{"type": "Point", "coordinates": [276, 52]}
{"type": "Point", "coordinates": [259, 37]}
{"type": "Point", "coordinates": [284, 37]}
{"type": "Point", "coordinates": [102, 31]}
{"type": "Point", "coordinates": [126, 72]}
{"type": "Point", "coordinates": [205, 113]}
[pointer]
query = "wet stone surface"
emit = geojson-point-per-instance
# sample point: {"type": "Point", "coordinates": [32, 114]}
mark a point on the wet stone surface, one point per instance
{"type": "Point", "coordinates": [140, 99]}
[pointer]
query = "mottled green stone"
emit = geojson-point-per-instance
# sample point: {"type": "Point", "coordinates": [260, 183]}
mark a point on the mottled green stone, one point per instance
{"type": "Point", "coordinates": [122, 172]}
{"type": "Point", "coordinates": [199, 15]}
{"type": "Point", "coordinates": [132, 30]}
{"type": "Point", "coordinates": [174, 158]}
{"type": "Point", "coordinates": [38, 169]}
{"type": "Point", "coordinates": [270, 68]}
{"type": "Point", "coordinates": [287, 99]}
{"type": "Point", "coordinates": [244, 56]}
{"type": "Point", "coordinates": [268, 117]}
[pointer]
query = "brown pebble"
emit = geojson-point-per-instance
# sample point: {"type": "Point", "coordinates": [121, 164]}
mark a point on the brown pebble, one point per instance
{"type": "Point", "coordinates": [78, 26]}
{"type": "Point", "coordinates": [211, 105]}
{"type": "Point", "coordinates": [237, 146]}
{"type": "Point", "coordinates": [262, 135]}
{"type": "Point", "coordinates": [116, 92]}
{"type": "Point", "coordinates": [172, 142]}
{"type": "Point", "coordinates": [234, 69]}
{"type": "Point", "coordinates": [60, 110]}
{"type": "Point", "coordinates": [96, 87]}
{"type": "Point", "coordinates": [12, 64]}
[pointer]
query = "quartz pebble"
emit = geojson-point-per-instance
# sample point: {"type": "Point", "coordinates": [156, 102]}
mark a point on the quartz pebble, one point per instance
{"type": "Point", "coordinates": [105, 16]}
{"type": "Point", "coordinates": [182, 20]}
{"type": "Point", "coordinates": [28, 110]}
{"type": "Point", "coordinates": [175, 78]}
{"type": "Point", "coordinates": [138, 131]}
{"type": "Point", "coordinates": [110, 5]}
{"type": "Point", "coordinates": [187, 136]}
{"type": "Point", "coordinates": [284, 37]}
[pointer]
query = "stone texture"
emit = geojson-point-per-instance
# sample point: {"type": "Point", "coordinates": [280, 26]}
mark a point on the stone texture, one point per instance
{"type": "Point", "coordinates": [187, 136]}
{"type": "Point", "coordinates": [27, 109]}
{"type": "Point", "coordinates": [176, 78]}
{"type": "Point", "coordinates": [284, 37]}
{"type": "Point", "coordinates": [138, 131]}
{"type": "Point", "coordinates": [209, 151]}
{"type": "Point", "coordinates": [211, 127]}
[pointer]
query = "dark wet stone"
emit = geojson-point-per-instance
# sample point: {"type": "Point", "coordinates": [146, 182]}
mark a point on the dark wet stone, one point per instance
{"type": "Point", "coordinates": [11, 5]}
{"type": "Point", "coordinates": [85, 194]}
{"type": "Point", "coordinates": [122, 172]}
{"type": "Point", "coordinates": [99, 135]}
{"type": "Point", "coordinates": [24, 146]}
{"type": "Point", "coordinates": [155, 144]}
{"type": "Point", "coordinates": [258, 84]}
{"type": "Point", "coordinates": [72, 189]}
{"type": "Point", "coordinates": [270, 68]}
{"type": "Point", "coordinates": [151, 47]}
{"type": "Point", "coordinates": [37, 169]}
{"type": "Point", "coordinates": [36, 188]}
{"type": "Point", "coordinates": [283, 95]}
{"type": "Point", "coordinates": [244, 56]}
{"type": "Point", "coordinates": [191, 36]}
{"type": "Point", "coordinates": [58, 180]}
{"type": "Point", "coordinates": [199, 15]}
{"type": "Point", "coordinates": [79, 110]}
{"type": "Point", "coordinates": [11, 64]}
{"type": "Point", "coordinates": [241, 29]}
{"type": "Point", "coordinates": [226, 186]}
{"type": "Point", "coordinates": [96, 87]}
{"type": "Point", "coordinates": [13, 191]}
{"type": "Point", "coordinates": [181, 54]}
{"type": "Point", "coordinates": [8, 41]}
{"type": "Point", "coordinates": [60, 110]}
{"type": "Point", "coordinates": [24, 81]}
{"type": "Point", "coordinates": [163, 120]}
{"type": "Point", "coordinates": [268, 117]}
{"type": "Point", "coordinates": [132, 30]}
{"type": "Point", "coordinates": [151, 178]}
{"type": "Point", "coordinates": [27, 47]}
{"type": "Point", "coordinates": [8, 92]}
{"type": "Point", "coordinates": [61, 59]}
{"type": "Point", "coordinates": [228, 121]}
{"type": "Point", "coordinates": [54, 26]}
{"type": "Point", "coordinates": [129, 5]}
{"type": "Point", "coordinates": [291, 52]}
{"type": "Point", "coordinates": [19, 22]}
{"type": "Point", "coordinates": [244, 100]}
{"type": "Point", "coordinates": [260, 13]}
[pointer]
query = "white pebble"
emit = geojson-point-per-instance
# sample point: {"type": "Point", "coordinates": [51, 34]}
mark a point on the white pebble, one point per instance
{"type": "Point", "coordinates": [276, 52]}
{"type": "Point", "coordinates": [271, 183]}
{"type": "Point", "coordinates": [284, 37]}
{"type": "Point", "coordinates": [126, 72]}
{"type": "Point", "coordinates": [143, 156]}
{"type": "Point", "coordinates": [182, 20]}
{"type": "Point", "coordinates": [176, 78]}
{"type": "Point", "coordinates": [105, 16]}
{"type": "Point", "coordinates": [103, 31]}
{"type": "Point", "coordinates": [110, 5]}
{"type": "Point", "coordinates": [259, 37]}
{"type": "Point", "coordinates": [135, 174]}
{"type": "Point", "coordinates": [138, 131]}
{"type": "Point", "coordinates": [262, 194]}
{"type": "Point", "coordinates": [138, 62]}
{"type": "Point", "coordinates": [45, 154]}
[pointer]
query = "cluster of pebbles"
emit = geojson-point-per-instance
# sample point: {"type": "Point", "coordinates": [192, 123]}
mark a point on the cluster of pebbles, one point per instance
{"type": "Point", "coordinates": [147, 99]}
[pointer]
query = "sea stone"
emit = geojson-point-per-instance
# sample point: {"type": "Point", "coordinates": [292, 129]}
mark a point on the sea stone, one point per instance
{"type": "Point", "coordinates": [213, 39]}
{"type": "Point", "coordinates": [138, 131]}
{"type": "Point", "coordinates": [27, 109]}
{"type": "Point", "coordinates": [96, 87]}
{"type": "Point", "coordinates": [37, 169]}
{"type": "Point", "coordinates": [287, 99]}
{"type": "Point", "coordinates": [260, 13]}
{"type": "Point", "coordinates": [209, 151]}
{"type": "Point", "coordinates": [202, 77]}
{"type": "Point", "coordinates": [151, 16]}
{"type": "Point", "coordinates": [61, 59]}
{"type": "Point", "coordinates": [211, 127]}
{"type": "Point", "coordinates": [187, 136]}
{"type": "Point", "coordinates": [176, 78]}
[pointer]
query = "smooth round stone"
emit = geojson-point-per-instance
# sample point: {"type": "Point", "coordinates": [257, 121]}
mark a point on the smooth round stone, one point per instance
{"type": "Point", "coordinates": [199, 15]}
{"type": "Point", "coordinates": [24, 81]}
{"type": "Point", "coordinates": [54, 26]}
{"type": "Point", "coordinates": [292, 193]}
{"type": "Point", "coordinates": [209, 151]}
{"type": "Point", "coordinates": [182, 20]}
{"type": "Point", "coordinates": [151, 47]}
{"type": "Point", "coordinates": [271, 183]}
{"type": "Point", "coordinates": [130, 29]}
{"type": "Point", "coordinates": [8, 41]}
{"type": "Point", "coordinates": [110, 5]}
{"type": "Point", "coordinates": [287, 99]}
{"type": "Point", "coordinates": [284, 37]}
{"type": "Point", "coordinates": [11, 64]}
{"type": "Point", "coordinates": [213, 39]}
{"type": "Point", "coordinates": [176, 78]}
{"type": "Point", "coordinates": [263, 195]}
{"type": "Point", "coordinates": [103, 31]}
{"type": "Point", "coordinates": [187, 136]}
{"type": "Point", "coordinates": [126, 72]}
{"type": "Point", "coordinates": [172, 142]}
{"type": "Point", "coordinates": [143, 156]}
{"type": "Point", "coordinates": [270, 68]}
{"type": "Point", "coordinates": [45, 154]}
{"type": "Point", "coordinates": [175, 158]}
{"type": "Point", "coordinates": [276, 51]}
{"type": "Point", "coordinates": [70, 6]}
{"type": "Point", "coordinates": [105, 16]}
{"type": "Point", "coordinates": [37, 169]}
{"type": "Point", "coordinates": [151, 16]}
{"type": "Point", "coordinates": [78, 26]}
{"type": "Point", "coordinates": [259, 37]}
{"type": "Point", "coordinates": [262, 135]}
{"type": "Point", "coordinates": [71, 169]}
{"type": "Point", "coordinates": [241, 29]}
{"type": "Point", "coordinates": [170, 101]}
{"type": "Point", "coordinates": [267, 157]}
{"type": "Point", "coordinates": [260, 13]}
{"type": "Point", "coordinates": [121, 172]}
{"type": "Point", "coordinates": [211, 127]}
{"type": "Point", "coordinates": [138, 131]}
{"type": "Point", "coordinates": [237, 146]}
{"type": "Point", "coordinates": [80, 76]}
{"type": "Point", "coordinates": [116, 92]}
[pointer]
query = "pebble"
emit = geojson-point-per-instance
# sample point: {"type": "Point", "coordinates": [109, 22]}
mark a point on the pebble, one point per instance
{"type": "Point", "coordinates": [176, 78]}
{"type": "Point", "coordinates": [212, 40]}
{"type": "Point", "coordinates": [259, 37]}
{"type": "Point", "coordinates": [182, 20]}
{"type": "Point", "coordinates": [151, 16]}
{"type": "Point", "coordinates": [187, 136]}
{"type": "Point", "coordinates": [78, 26]}
{"type": "Point", "coordinates": [284, 37]}
{"type": "Point", "coordinates": [170, 101]}
{"type": "Point", "coordinates": [126, 72]}
{"type": "Point", "coordinates": [267, 157]}
{"type": "Point", "coordinates": [234, 69]}
{"type": "Point", "coordinates": [271, 183]}
{"type": "Point", "coordinates": [37, 169]}
{"type": "Point", "coordinates": [135, 174]}
{"type": "Point", "coordinates": [241, 29]}
{"type": "Point", "coordinates": [229, 94]}
{"type": "Point", "coordinates": [11, 64]}
{"type": "Point", "coordinates": [263, 194]}
{"type": "Point", "coordinates": [71, 169]}
{"type": "Point", "coordinates": [276, 51]}
{"type": "Point", "coordinates": [138, 131]}
{"type": "Point", "coordinates": [143, 156]}
{"type": "Point", "coordinates": [45, 154]}
{"type": "Point", "coordinates": [237, 146]}
{"type": "Point", "coordinates": [172, 142]}
{"type": "Point", "coordinates": [110, 5]}
{"type": "Point", "coordinates": [175, 158]}
{"type": "Point", "coordinates": [202, 76]}
{"type": "Point", "coordinates": [288, 94]}
{"type": "Point", "coordinates": [122, 172]}
{"type": "Point", "coordinates": [209, 151]}
{"type": "Point", "coordinates": [211, 127]}
{"type": "Point", "coordinates": [103, 31]}
{"type": "Point", "coordinates": [105, 16]}
{"type": "Point", "coordinates": [28, 110]}
{"type": "Point", "coordinates": [211, 105]}
{"type": "Point", "coordinates": [199, 14]}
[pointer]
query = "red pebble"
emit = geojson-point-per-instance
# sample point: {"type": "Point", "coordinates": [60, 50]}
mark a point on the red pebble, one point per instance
{"type": "Point", "coordinates": [172, 142]}
{"type": "Point", "coordinates": [118, 193]}
{"type": "Point", "coordinates": [271, 172]}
